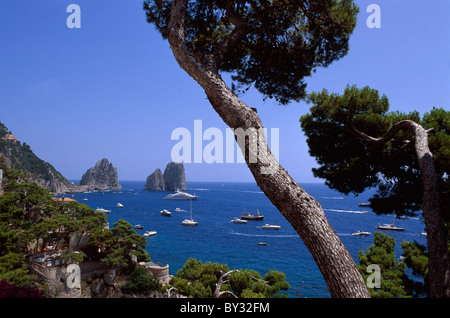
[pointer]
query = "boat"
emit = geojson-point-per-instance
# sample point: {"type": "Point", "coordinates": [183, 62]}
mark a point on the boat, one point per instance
{"type": "Point", "coordinates": [359, 232]}
{"type": "Point", "coordinates": [177, 209]}
{"type": "Point", "coordinates": [262, 243]}
{"type": "Point", "coordinates": [390, 227]}
{"type": "Point", "coordinates": [423, 233]}
{"type": "Point", "coordinates": [364, 204]}
{"type": "Point", "coordinates": [237, 220]}
{"type": "Point", "coordinates": [189, 221]}
{"type": "Point", "coordinates": [150, 233]}
{"type": "Point", "coordinates": [138, 227]}
{"type": "Point", "coordinates": [102, 210]}
{"type": "Point", "coordinates": [270, 227]}
{"type": "Point", "coordinates": [166, 212]}
{"type": "Point", "coordinates": [254, 217]}
{"type": "Point", "coordinates": [180, 195]}
{"type": "Point", "coordinates": [119, 205]}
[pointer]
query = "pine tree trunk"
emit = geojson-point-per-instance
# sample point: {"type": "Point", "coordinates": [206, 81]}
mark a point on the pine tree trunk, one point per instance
{"type": "Point", "coordinates": [437, 241]}
{"type": "Point", "coordinates": [302, 211]}
{"type": "Point", "coordinates": [438, 258]}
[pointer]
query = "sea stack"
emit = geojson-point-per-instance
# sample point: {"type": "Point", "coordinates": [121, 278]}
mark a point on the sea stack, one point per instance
{"type": "Point", "coordinates": [102, 177]}
{"type": "Point", "coordinates": [155, 181]}
{"type": "Point", "coordinates": [173, 179]}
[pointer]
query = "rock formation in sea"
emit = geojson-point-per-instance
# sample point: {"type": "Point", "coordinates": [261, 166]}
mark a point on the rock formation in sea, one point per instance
{"type": "Point", "coordinates": [173, 179]}
{"type": "Point", "coordinates": [102, 177]}
{"type": "Point", "coordinates": [155, 181]}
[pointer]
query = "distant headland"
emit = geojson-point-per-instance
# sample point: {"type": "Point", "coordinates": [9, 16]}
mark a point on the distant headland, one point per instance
{"type": "Point", "coordinates": [103, 176]}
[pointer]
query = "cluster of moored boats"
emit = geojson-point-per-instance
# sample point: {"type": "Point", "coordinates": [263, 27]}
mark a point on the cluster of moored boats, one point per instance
{"type": "Point", "coordinates": [245, 217]}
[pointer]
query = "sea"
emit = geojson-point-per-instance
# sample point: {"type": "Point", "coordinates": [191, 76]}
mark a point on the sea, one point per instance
{"type": "Point", "coordinates": [215, 239]}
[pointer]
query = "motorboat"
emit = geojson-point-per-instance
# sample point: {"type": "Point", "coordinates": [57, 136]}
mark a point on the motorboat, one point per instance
{"type": "Point", "coordinates": [359, 232]}
{"type": "Point", "coordinates": [150, 233]}
{"type": "Point", "coordinates": [254, 217]}
{"type": "Point", "coordinates": [270, 227]}
{"type": "Point", "coordinates": [119, 205]}
{"type": "Point", "coordinates": [138, 227]}
{"type": "Point", "coordinates": [364, 204]}
{"type": "Point", "coordinates": [262, 243]}
{"type": "Point", "coordinates": [180, 195]}
{"type": "Point", "coordinates": [102, 210]}
{"type": "Point", "coordinates": [390, 227]}
{"type": "Point", "coordinates": [166, 212]}
{"type": "Point", "coordinates": [191, 220]}
{"type": "Point", "coordinates": [237, 220]}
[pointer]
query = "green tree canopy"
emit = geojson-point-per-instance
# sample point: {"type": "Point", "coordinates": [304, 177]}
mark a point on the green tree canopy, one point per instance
{"type": "Point", "coordinates": [392, 272]}
{"type": "Point", "coordinates": [271, 44]}
{"type": "Point", "coordinates": [351, 165]}
{"type": "Point", "coordinates": [200, 280]}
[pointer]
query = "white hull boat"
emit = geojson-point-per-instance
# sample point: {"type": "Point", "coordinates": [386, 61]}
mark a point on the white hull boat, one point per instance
{"type": "Point", "coordinates": [102, 210]}
{"type": "Point", "coordinates": [190, 221]}
{"type": "Point", "coordinates": [270, 227]}
{"type": "Point", "coordinates": [239, 221]}
{"type": "Point", "coordinates": [360, 233]}
{"type": "Point", "coordinates": [179, 195]}
{"type": "Point", "coordinates": [165, 212]}
{"type": "Point", "coordinates": [150, 233]}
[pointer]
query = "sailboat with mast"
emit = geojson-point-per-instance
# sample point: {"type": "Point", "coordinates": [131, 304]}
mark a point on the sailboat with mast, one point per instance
{"type": "Point", "coordinates": [390, 227]}
{"type": "Point", "coordinates": [191, 220]}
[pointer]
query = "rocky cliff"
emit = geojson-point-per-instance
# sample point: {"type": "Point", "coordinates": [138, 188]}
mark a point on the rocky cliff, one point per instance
{"type": "Point", "coordinates": [102, 177]}
{"type": "Point", "coordinates": [173, 179]}
{"type": "Point", "coordinates": [19, 156]}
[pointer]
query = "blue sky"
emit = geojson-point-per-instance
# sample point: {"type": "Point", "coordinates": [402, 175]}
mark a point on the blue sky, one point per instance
{"type": "Point", "coordinates": [113, 88]}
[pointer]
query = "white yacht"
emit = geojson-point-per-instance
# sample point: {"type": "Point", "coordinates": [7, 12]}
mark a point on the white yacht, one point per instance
{"type": "Point", "coordinates": [189, 221]}
{"type": "Point", "coordinates": [166, 212]}
{"type": "Point", "coordinates": [150, 233]}
{"type": "Point", "coordinates": [359, 232]}
{"type": "Point", "coordinates": [391, 227]}
{"type": "Point", "coordinates": [102, 210]}
{"type": "Point", "coordinates": [180, 195]}
{"type": "Point", "coordinates": [237, 220]}
{"type": "Point", "coordinates": [119, 205]}
{"type": "Point", "coordinates": [270, 227]}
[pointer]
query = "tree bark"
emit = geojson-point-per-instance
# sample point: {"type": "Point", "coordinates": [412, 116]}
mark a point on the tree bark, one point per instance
{"type": "Point", "coordinates": [437, 241]}
{"type": "Point", "coordinates": [302, 211]}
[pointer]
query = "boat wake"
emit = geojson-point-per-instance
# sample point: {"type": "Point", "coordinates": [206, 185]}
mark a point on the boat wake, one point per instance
{"type": "Point", "coordinates": [345, 211]}
{"type": "Point", "coordinates": [265, 235]}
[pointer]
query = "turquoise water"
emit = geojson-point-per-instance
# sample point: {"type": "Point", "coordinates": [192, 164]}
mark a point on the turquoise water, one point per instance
{"type": "Point", "coordinates": [216, 239]}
